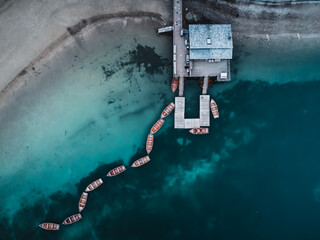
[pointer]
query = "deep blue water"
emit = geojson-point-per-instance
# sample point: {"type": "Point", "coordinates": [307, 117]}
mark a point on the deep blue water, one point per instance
{"type": "Point", "coordinates": [255, 176]}
{"type": "Point", "coordinates": [265, 187]}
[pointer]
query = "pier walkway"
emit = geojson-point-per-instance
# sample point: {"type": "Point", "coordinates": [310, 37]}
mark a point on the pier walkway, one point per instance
{"type": "Point", "coordinates": [190, 61]}
{"type": "Point", "coordinates": [179, 62]}
{"type": "Point", "coordinates": [205, 85]}
{"type": "Point", "coordinates": [180, 51]}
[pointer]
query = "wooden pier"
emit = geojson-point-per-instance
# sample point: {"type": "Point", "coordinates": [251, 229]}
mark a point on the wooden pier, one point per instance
{"type": "Point", "coordinates": [201, 51]}
{"type": "Point", "coordinates": [165, 29]}
{"type": "Point", "coordinates": [179, 51]}
{"type": "Point", "coordinates": [179, 114]}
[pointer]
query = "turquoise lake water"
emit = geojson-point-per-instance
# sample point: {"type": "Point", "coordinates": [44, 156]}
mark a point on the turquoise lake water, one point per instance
{"type": "Point", "coordinates": [255, 176]}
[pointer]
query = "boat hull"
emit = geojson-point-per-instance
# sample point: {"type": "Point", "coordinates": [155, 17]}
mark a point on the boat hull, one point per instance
{"type": "Point", "coordinates": [116, 171]}
{"type": "Point", "coordinates": [50, 226]}
{"type": "Point", "coordinates": [149, 143]}
{"type": "Point", "coordinates": [167, 110]}
{"type": "Point", "coordinates": [141, 161]}
{"type": "Point", "coordinates": [83, 201]}
{"type": "Point", "coordinates": [174, 84]}
{"type": "Point", "coordinates": [72, 219]}
{"type": "Point", "coordinates": [214, 109]}
{"type": "Point", "coordinates": [94, 185]}
{"type": "Point", "coordinates": [156, 127]}
{"type": "Point", "coordinates": [199, 131]}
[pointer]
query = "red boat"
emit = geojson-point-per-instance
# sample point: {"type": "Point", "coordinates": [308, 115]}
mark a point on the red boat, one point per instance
{"type": "Point", "coordinates": [174, 84]}
{"type": "Point", "coordinates": [141, 161]}
{"type": "Point", "coordinates": [199, 131]}
{"type": "Point", "coordinates": [83, 201]}
{"type": "Point", "coordinates": [116, 171]}
{"type": "Point", "coordinates": [49, 226]}
{"type": "Point", "coordinates": [149, 143]}
{"type": "Point", "coordinates": [72, 219]}
{"type": "Point", "coordinates": [94, 185]}
{"type": "Point", "coordinates": [157, 126]}
{"type": "Point", "coordinates": [167, 110]}
{"type": "Point", "coordinates": [214, 109]}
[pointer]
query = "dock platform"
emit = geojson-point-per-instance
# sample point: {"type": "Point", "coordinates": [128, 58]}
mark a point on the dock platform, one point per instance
{"type": "Point", "coordinates": [165, 29]}
{"type": "Point", "coordinates": [187, 123]}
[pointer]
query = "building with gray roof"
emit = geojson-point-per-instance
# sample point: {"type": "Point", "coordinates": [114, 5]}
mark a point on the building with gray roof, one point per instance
{"type": "Point", "coordinates": [210, 50]}
{"type": "Point", "coordinates": [210, 41]}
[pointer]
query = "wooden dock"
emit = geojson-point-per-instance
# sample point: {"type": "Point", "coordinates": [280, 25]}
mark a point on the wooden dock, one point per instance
{"type": "Point", "coordinates": [165, 29]}
{"type": "Point", "coordinates": [180, 51]}
{"type": "Point", "coordinates": [185, 65]}
{"type": "Point", "coordinates": [179, 114]}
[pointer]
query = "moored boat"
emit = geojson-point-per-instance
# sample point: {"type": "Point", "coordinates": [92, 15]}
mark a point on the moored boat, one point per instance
{"type": "Point", "coordinates": [199, 131]}
{"type": "Point", "coordinates": [50, 226]}
{"type": "Point", "coordinates": [149, 143]}
{"type": "Point", "coordinates": [94, 185]}
{"type": "Point", "coordinates": [83, 201]}
{"type": "Point", "coordinates": [174, 84]}
{"type": "Point", "coordinates": [157, 126]}
{"type": "Point", "coordinates": [167, 110]}
{"type": "Point", "coordinates": [116, 171]}
{"type": "Point", "coordinates": [214, 109]}
{"type": "Point", "coordinates": [141, 161]}
{"type": "Point", "coordinates": [72, 219]}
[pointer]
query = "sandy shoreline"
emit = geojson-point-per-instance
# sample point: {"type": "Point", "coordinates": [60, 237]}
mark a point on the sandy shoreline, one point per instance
{"type": "Point", "coordinates": [255, 21]}
{"type": "Point", "coordinates": [29, 27]}
{"type": "Point", "coordinates": [33, 68]}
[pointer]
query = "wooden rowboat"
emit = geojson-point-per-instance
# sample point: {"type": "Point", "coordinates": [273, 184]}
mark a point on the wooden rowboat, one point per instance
{"type": "Point", "coordinates": [94, 185]}
{"type": "Point", "coordinates": [50, 226]}
{"type": "Point", "coordinates": [167, 110]}
{"type": "Point", "coordinates": [141, 161]}
{"type": "Point", "coordinates": [83, 201]}
{"type": "Point", "coordinates": [72, 219]}
{"type": "Point", "coordinates": [199, 131]}
{"type": "Point", "coordinates": [214, 109]}
{"type": "Point", "coordinates": [157, 126]}
{"type": "Point", "coordinates": [174, 84]}
{"type": "Point", "coordinates": [116, 171]}
{"type": "Point", "coordinates": [149, 143]}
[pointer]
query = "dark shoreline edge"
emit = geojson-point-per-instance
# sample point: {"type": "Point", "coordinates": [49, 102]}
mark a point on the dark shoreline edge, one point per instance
{"type": "Point", "coordinates": [20, 79]}
{"type": "Point", "coordinates": [278, 3]}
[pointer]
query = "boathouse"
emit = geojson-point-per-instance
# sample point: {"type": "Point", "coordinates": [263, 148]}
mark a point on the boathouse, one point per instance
{"type": "Point", "coordinates": [200, 51]}
{"type": "Point", "coordinates": [210, 51]}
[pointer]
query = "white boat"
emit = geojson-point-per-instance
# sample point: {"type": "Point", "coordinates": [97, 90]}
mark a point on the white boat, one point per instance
{"type": "Point", "coordinates": [50, 226]}
{"type": "Point", "coordinates": [83, 201]}
{"type": "Point", "coordinates": [167, 110]}
{"type": "Point", "coordinates": [149, 143]}
{"type": "Point", "coordinates": [94, 185]}
{"type": "Point", "coordinates": [214, 109]}
{"type": "Point", "coordinates": [116, 171]}
{"type": "Point", "coordinates": [199, 131]}
{"type": "Point", "coordinates": [155, 128]}
{"type": "Point", "coordinates": [72, 219]}
{"type": "Point", "coordinates": [141, 161]}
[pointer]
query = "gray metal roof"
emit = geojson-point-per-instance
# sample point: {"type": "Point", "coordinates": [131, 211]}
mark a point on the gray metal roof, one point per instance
{"type": "Point", "coordinates": [210, 41]}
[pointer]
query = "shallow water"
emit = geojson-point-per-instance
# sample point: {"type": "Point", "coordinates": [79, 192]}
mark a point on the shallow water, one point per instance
{"type": "Point", "coordinates": [256, 176]}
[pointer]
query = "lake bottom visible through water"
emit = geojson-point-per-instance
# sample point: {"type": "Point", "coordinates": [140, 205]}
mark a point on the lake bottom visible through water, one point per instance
{"type": "Point", "coordinates": [255, 176]}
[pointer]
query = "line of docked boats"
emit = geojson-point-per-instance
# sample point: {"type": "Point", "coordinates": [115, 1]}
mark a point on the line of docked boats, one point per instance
{"type": "Point", "coordinates": [113, 172]}
{"type": "Point", "coordinates": [141, 161]}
